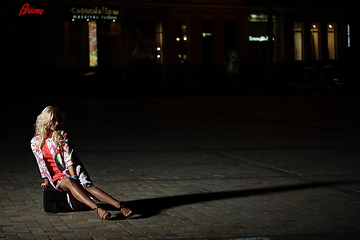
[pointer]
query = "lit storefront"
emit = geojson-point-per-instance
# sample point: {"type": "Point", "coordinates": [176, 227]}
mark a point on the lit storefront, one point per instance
{"type": "Point", "coordinates": [184, 41]}
{"type": "Point", "coordinates": [115, 40]}
{"type": "Point", "coordinates": [90, 18]}
{"type": "Point", "coordinates": [330, 47]}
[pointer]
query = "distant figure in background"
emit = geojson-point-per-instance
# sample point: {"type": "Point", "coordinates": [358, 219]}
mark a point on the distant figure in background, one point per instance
{"type": "Point", "coordinates": [60, 168]}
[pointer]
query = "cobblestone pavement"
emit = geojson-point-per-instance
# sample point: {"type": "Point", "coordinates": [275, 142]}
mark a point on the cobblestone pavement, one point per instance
{"type": "Point", "coordinates": [245, 167]}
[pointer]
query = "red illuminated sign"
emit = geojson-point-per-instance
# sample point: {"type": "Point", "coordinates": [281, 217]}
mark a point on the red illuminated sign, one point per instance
{"type": "Point", "coordinates": [26, 9]}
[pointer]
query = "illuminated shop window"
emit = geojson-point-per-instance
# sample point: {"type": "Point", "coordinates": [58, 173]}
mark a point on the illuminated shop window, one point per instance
{"type": "Point", "coordinates": [159, 43]}
{"type": "Point", "coordinates": [182, 41]}
{"type": "Point", "coordinates": [348, 35]}
{"type": "Point", "coordinates": [315, 51]}
{"type": "Point", "coordinates": [298, 40]}
{"type": "Point", "coordinates": [331, 40]}
{"type": "Point", "coordinates": [93, 51]}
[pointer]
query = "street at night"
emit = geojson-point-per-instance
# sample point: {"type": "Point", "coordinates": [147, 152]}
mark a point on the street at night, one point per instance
{"type": "Point", "coordinates": [209, 119]}
{"type": "Point", "coordinates": [275, 166]}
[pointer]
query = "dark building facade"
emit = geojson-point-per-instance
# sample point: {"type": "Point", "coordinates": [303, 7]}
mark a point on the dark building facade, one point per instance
{"type": "Point", "coordinates": [187, 41]}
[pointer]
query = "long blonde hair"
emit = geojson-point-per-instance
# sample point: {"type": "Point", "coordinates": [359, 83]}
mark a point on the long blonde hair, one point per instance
{"type": "Point", "coordinates": [44, 121]}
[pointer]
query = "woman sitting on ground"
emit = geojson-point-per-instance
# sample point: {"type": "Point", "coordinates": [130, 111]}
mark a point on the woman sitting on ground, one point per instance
{"type": "Point", "coordinates": [60, 168]}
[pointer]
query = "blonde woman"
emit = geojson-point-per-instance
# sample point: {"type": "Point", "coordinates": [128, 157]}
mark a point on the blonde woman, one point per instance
{"type": "Point", "coordinates": [59, 166]}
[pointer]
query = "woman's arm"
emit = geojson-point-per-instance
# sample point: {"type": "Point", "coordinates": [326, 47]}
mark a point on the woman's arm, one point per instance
{"type": "Point", "coordinates": [72, 172]}
{"type": "Point", "coordinates": [38, 156]}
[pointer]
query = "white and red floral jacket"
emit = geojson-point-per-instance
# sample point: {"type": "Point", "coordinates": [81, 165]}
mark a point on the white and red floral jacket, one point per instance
{"type": "Point", "coordinates": [63, 157]}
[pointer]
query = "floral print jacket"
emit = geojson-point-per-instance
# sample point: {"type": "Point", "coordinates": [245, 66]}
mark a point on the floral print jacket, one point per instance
{"type": "Point", "coordinates": [63, 157]}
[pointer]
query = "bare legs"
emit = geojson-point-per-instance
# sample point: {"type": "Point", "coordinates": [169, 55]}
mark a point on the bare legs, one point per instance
{"type": "Point", "coordinates": [106, 198]}
{"type": "Point", "coordinates": [102, 196]}
{"type": "Point", "coordinates": [83, 193]}
{"type": "Point", "coordinates": [73, 186]}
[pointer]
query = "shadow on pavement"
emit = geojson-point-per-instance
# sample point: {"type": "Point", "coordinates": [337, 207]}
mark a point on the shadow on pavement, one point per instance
{"type": "Point", "coordinates": [145, 208]}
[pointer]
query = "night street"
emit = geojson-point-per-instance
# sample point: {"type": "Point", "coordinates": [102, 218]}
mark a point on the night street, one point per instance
{"type": "Point", "coordinates": [211, 119]}
{"type": "Point", "coordinates": [269, 167]}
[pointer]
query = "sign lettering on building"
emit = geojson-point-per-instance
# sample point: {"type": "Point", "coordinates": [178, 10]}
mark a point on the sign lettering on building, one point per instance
{"type": "Point", "coordinates": [259, 38]}
{"type": "Point", "coordinates": [27, 9]}
{"type": "Point", "coordinates": [103, 13]}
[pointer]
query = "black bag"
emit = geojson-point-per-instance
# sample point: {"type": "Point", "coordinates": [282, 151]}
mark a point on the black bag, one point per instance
{"type": "Point", "coordinates": [55, 201]}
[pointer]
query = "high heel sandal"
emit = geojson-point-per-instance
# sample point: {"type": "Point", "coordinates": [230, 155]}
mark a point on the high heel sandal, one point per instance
{"type": "Point", "coordinates": [106, 214]}
{"type": "Point", "coordinates": [125, 211]}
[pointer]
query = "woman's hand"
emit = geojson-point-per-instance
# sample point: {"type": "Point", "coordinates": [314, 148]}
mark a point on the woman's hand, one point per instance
{"type": "Point", "coordinates": [45, 184]}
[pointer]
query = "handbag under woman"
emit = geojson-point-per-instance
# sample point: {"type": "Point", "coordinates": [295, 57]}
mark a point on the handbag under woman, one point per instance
{"type": "Point", "coordinates": [55, 201]}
